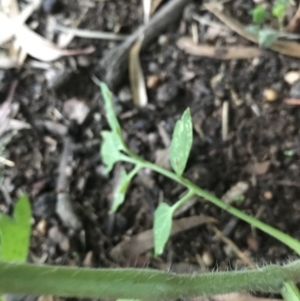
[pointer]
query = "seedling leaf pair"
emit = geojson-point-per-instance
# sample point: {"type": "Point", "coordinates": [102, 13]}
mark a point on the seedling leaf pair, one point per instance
{"type": "Point", "coordinates": [181, 143]}
{"type": "Point", "coordinates": [15, 232]}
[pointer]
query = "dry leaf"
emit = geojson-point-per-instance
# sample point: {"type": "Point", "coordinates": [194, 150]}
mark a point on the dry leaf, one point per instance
{"type": "Point", "coordinates": [42, 49]}
{"type": "Point", "coordinates": [143, 242]}
{"type": "Point", "coordinates": [238, 189]}
{"type": "Point", "coordinates": [221, 53]}
{"type": "Point", "coordinates": [137, 80]}
{"type": "Point", "coordinates": [259, 169]}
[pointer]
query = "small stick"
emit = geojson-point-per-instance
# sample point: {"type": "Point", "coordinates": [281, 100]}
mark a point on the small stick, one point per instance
{"type": "Point", "coordinates": [116, 61]}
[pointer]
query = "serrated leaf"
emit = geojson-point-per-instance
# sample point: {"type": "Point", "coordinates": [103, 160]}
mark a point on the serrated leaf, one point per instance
{"type": "Point", "coordinates": [181, 142]}
{"type": "Point", "coordinates": [162, 227]}
{"type": "Point", "coordinates": [120, 192]}
{"type": "Point", "coordinates": [15, 232]}
{"type": "Point", "coordinates": [110, 153]}
{"type": "Point", "coordinates": [109, 109]}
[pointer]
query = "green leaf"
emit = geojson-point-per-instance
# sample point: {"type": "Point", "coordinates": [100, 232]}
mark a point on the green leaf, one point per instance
{"type": "Point", "coordinates": [162, 227]}
{"type": "Point", "coordinates": [279, 10]}
{"type": "Point", "coordinates": [110, 149]}
{"type": "Point", "coordinates": [109, 109]}
{"type": "Point", "coordinates": [266, 37]}
{"type": "Point", "coordinates": [259, 14]}
{"type": "Point", "coordinates": [15, 232]}
{"type": "Point", "coordinates": [181, 142]}
{"type": "Point", "coordinates": [120, 192]}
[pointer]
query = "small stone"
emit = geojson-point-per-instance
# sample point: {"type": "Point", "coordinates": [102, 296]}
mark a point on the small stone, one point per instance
{"type": "Point", "coordinates": [207, 258]}
{"type": "Point", "coordinates": [252, 243]}
{"type": "Point", "coordinates": [163, 40]}
{"type": "Point", "coordinates": [84, 60]}
{"type": "Point", "coordinates": [59, 238]}
{"type": "Point", "coordinates": [153, 81]}
{"type": "Point", "coordinates": [167, 92]}
{"type": "Point", "coordinates": [42, 226]}
{"type": "Point", "coordinates": [295, 90]}
{"type": "Point", "coordinates": [88, 259]}
{"type": "Point", "coordinates": [292, 77]}
{"type": "Point", "coordinates": [125, 94]}
{"type": "Point", "coordinates": [270, 94]}
{"type": "Point", "coordinates": [268, 195]}
{"type": "Point", "coordinates": [44, 206]}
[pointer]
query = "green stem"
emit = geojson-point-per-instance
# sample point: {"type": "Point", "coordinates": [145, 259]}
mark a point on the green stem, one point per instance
{"type": "Point", "coordinates": [290, 292]}
{"type": "Point", "coordinates": [284, 238]}
{"type": "Point", "coordinates": [184, 199]}
{"type": "Point", "coordinates": [143, 284]}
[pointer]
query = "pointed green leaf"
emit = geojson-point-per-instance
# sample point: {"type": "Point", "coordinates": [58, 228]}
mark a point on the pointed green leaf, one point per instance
{"type": "Point", "coordinates": [110, 149]}
{"type": "Point", "coordinates": [259, 14]}
{"type": "Point", "coordinates": [120, 192]}
{"type": "Point", "coordinates": [162, 227]}
{"type": "Point", "coordinates": [109, 109]}
{"type": "Point", "coordinates": [181, 142]}
{"type": "Point", "coordinates": [15, 232]}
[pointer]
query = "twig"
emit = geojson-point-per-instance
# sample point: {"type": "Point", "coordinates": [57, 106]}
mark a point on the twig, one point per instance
{"type": "Point", "coordinates": [64, 206]}
{"type": "Point", "coordinates": [116, 61]}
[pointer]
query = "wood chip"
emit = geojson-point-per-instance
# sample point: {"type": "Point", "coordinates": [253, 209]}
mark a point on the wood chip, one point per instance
{"type": "Point", "coordinates": [222, 53]}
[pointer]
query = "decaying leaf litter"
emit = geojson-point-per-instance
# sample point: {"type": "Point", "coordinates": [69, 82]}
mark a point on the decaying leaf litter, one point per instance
{"type": "Point", "coordinates": [58, 101]}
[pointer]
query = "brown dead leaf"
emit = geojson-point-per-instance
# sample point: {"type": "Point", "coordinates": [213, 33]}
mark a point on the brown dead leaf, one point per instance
{"type": "Point", "coordinates": [238, 189]}
{"type": "Point", "coordinates": [222, 53]}
{"type": "Point", "coordinates": [137, 80]}
{"type": "Point", "coordinates": [284, 47]}
{"type": "Point", "coordinates": [42, 49]}
{"type": "Point", "coordinates": [143, 242]}
{"type": "Point", "coordinates": [259, 169]}
{"type": "Point", "coordinates": [294, 24]}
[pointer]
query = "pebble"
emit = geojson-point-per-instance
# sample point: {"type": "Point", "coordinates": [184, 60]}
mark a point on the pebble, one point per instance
{"type": "Point", "coordinates": [42, 226]}
{"type": "Point", "coordinates": [207, 258]}
{"type": "Point", "coordinates": [44, 205]}
{"type": "Point", "coordinates": [167, 92]}
{"type": "Point", "coordinates": [270, 94]}
{"type": "Point", "coordinates": [124, 94]}
{"type": "Point", "coordinates": [59, 238]}
{"type": "Point", "coordinates": [292, 77]}
{"type": "Point", "coordinates": [295, 90]}
{"type": "Point", "coordinates": [268, 195]}
{"type": "Point", "coordinates": [153, 81]}
{"type": "Point", "coordinates": [163, 40]}
{"type": "Point", "coordinates": [88, 259]}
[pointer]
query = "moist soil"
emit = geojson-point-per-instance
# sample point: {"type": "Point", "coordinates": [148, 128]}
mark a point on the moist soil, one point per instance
{"type": "Point", "coordinates": [262, 147]}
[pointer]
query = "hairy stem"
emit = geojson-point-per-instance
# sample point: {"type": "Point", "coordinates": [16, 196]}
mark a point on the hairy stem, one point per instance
{"type": "Point", "coordinates": [282, 237]}
{"type": "Point", "coordinates": [143, 284]}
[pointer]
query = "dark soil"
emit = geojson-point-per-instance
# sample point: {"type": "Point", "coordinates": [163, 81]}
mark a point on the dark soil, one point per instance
{"type": "Point", "coordinates": [259, 132]}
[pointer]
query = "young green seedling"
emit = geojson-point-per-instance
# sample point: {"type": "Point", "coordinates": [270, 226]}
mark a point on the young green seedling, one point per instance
{"type": "Point", "coordinates": [267, 36]}
{"type": "Point", "coordinates": [180, 148]}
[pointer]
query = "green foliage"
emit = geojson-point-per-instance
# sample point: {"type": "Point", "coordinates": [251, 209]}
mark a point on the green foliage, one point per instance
{"type": "Point", "coordinates": [162, 227]}
{"type": "Point", "coordinates": [259, 14]}
{"type": "Point", "coordinates": [15, 232]}
{"type": "Point", "coordinates": [181, 143]}
{"type": "Point", "coordinates": [180, 149]}
{"type": "Point", "coordinates": [109, 151]}
{"type": "Point", "coordinates": [266, 37]}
